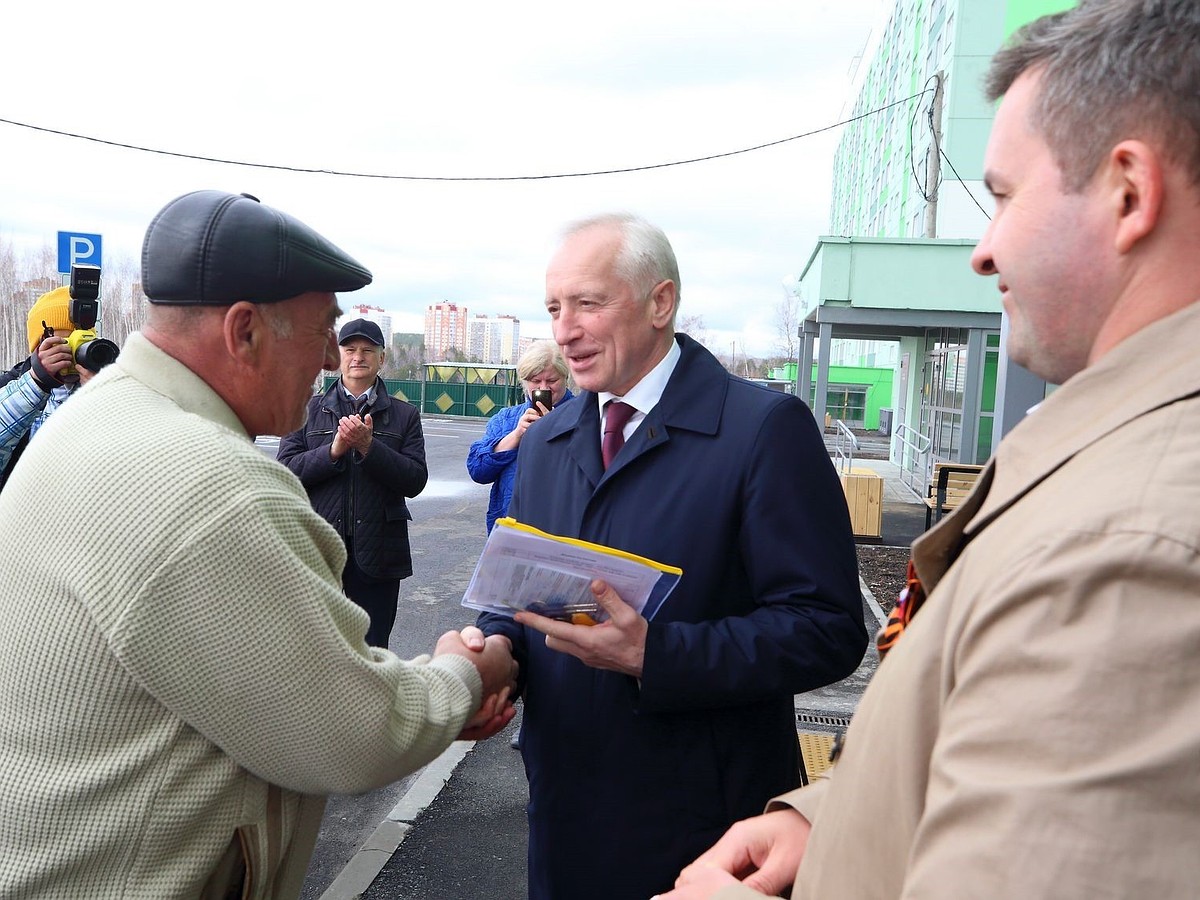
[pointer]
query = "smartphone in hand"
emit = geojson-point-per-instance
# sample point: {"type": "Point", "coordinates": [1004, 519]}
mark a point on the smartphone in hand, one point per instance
{"type": "Point", "coordinates": [546, 398]}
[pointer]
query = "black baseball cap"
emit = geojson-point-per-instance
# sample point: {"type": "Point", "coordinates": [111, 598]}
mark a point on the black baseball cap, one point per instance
{"type": "Point", "coordinates": [363, 328]}
{"type": "Point", "coordinates": [213, 248]}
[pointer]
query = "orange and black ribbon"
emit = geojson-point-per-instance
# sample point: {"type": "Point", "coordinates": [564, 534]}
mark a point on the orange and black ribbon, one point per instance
{"type": "Point", "coordinates": [912, 597]}
{"type": "Point", "coordinates": [910, 600]}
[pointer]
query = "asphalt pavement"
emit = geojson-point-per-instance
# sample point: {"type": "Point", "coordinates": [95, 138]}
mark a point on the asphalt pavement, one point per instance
{"type": "Point", "coordinates": [447, 534]}
{"type": "Point", "coordinates": [470, 841]}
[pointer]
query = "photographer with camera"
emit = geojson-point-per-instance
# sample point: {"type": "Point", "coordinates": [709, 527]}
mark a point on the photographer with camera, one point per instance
{"type": "Point", "coordinates": [64, 354]}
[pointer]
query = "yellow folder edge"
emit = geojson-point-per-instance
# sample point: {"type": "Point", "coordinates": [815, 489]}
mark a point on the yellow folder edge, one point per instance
{"type": "Point", "coordinates": [509, 522]}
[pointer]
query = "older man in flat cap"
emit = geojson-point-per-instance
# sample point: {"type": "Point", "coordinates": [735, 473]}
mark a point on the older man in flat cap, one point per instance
{"type": "Point", "coordinates": [181, 688]}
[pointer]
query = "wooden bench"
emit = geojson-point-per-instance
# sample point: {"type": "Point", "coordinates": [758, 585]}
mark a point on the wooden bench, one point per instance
{"type": "Point", "coordinates": [951, 484]}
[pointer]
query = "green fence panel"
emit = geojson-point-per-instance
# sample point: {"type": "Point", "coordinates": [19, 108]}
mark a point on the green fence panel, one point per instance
{"type": "Point", "coordinates": [404, 389]}
{"type": "Point", "coordinates": [446, 399]}
{"type": "Point", "coordinates": [469, 389]}
{"type": "Point", "coordinates": [456, 389]}
{"type": "Point", "coordinates": [485, 399]}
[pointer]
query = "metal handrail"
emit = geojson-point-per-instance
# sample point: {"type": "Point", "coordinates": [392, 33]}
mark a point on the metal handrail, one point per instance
{"type": "Point", "coordinates": [844, 445]}
{"type": "Point", "coordinates": [914, 453]}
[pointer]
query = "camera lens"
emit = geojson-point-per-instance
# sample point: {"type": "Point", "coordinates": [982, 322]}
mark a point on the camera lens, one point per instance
{"type": "Point", "coordinates": [94, 355]}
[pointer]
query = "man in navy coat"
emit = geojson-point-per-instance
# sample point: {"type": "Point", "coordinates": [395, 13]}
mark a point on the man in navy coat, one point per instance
{"type": "Point", "coordinates": [643, 741]}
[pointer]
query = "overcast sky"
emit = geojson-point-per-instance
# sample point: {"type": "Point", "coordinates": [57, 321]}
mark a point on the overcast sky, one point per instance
{"type": "Point", "coordinates": [452, 90]}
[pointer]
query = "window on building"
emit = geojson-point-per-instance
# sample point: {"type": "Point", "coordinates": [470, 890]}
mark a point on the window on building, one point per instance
{"type": "Point", "coordinates": [847, 402]}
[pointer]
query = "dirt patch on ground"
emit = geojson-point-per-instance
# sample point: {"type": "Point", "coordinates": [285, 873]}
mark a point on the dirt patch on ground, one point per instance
{"type": "Point", "coordinates": [883, 569]}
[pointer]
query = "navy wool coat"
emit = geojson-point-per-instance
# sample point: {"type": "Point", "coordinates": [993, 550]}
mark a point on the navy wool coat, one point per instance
{"type": "Point", "coordinates": [629, 781]}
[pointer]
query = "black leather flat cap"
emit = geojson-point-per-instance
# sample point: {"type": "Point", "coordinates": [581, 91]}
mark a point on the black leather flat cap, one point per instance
{"type": "Point", "coordinates": [214, 248]}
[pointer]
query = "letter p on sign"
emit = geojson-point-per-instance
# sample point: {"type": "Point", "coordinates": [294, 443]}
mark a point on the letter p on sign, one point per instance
{"type": "Point", "coordinates": [75, 249]}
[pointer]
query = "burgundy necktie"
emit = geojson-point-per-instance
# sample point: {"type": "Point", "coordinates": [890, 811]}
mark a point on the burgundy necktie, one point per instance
{"type": "Point", "coordinates": [616, 416]}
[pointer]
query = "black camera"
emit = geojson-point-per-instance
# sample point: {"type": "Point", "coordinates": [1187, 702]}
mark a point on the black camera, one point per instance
{"type": "Point", "coordinates": [90, 351]}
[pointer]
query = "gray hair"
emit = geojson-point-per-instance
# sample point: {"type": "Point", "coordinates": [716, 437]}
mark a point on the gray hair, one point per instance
{"type": "Point", "coordinates": [645, 258]}
{"type": "Point", "coordinates": [185, 318]}
{"type": "Point", "coordinates": [538, 357]}
{"type": "Point", "coordinates": [277, 318]}
{"type": "Point", "coordinates": [1110, 70]}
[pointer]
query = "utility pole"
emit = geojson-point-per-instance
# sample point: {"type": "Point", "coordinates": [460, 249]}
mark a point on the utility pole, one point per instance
{"type": "Point", "coordinates": [933, 161]}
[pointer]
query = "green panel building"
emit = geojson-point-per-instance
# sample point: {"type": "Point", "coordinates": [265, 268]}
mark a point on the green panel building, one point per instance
{"type": "Point", "coordinates": [908, 206]}
{"type": "Point", "coordinates": [886, 169]}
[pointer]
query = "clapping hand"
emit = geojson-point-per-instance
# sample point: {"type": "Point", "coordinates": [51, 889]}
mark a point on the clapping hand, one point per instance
{"type": "Point", "coordinates": [353, 433]}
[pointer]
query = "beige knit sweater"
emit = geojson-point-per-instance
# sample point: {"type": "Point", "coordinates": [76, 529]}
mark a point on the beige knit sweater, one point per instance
{"type": "Point", "coordinates": [178, 667]}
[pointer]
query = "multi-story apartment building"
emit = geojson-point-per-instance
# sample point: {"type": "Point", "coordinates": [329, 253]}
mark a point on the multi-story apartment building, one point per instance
{"type": "Point", "coordinates": [526, 342]}
{"type": "Point", "coordinates": [494, 339]}
{"type": "Point", "coordinates": [896, 173]}
{"type": "Point", "coordinates": [445, 328]}
{"type": "Point", "coordinates": [372, 314]}
{"type": "Point", "coordinates": [908, 205]}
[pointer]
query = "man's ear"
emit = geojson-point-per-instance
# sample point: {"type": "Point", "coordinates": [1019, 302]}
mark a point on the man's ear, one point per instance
{"type": "Point", "coordinates": [664, 300]}
{"type": "Point", "coordinates": [243, 331]}
{"type": "Point", "coordinates": [1137, 173]}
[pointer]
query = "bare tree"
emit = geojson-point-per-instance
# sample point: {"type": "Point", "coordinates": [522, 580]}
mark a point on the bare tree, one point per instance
{"type": "Point", "coordinates": [787, 324]}
{"type": "Point", "coordinates": [122, 303]}
{"type": "Point", "coordinates": [693, 326]}
{"type": "Point", "coordinates": [23, 278]}
{"type": "Point", "coordinates": [12, 322]}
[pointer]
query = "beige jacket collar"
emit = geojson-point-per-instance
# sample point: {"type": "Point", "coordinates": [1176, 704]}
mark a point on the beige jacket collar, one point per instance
{"type": "Point", "coordinates": [142, 360]}
{"type": "Point", "coordinates": [1153, 368]}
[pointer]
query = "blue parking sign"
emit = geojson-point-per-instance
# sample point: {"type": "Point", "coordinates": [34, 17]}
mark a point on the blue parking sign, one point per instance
{"type": "Point", "coordinates": [75, 249]}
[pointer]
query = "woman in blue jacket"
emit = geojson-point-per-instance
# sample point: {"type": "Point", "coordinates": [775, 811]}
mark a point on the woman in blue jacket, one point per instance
{"type": "Point", "coordinates": [493, 458]}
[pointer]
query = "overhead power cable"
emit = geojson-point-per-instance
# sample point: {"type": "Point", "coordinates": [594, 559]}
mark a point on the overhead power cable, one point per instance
{"type": "Point", "coordinates": [924, 188]}
{"type": "Point", "coordinates": [963, 183]}
{"type": "Point", "coordinates": [300, 169]}
{"type": "Point", "coordinates": [927, 191]}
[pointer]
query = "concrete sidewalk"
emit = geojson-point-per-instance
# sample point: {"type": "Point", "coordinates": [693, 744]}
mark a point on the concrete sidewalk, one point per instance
{"type": "Point", "coordinates": [895, 490]}
{"type": "Point", "coordinates": [903, 509]}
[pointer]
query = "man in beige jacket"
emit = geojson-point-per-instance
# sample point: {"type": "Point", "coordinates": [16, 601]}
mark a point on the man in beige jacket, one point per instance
{"type": "Point", "coordinates": [1035, 732]}
{"type": "Point", "coordinates": [182, 680]}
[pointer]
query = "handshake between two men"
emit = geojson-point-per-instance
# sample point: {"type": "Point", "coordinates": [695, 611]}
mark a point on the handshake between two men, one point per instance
{"type": "Point", "coordinates": [493, 660]}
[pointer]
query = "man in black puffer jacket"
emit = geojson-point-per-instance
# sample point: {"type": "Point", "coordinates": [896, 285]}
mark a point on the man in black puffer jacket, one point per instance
{"type": "Point", "coordinates": [360, 454]}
